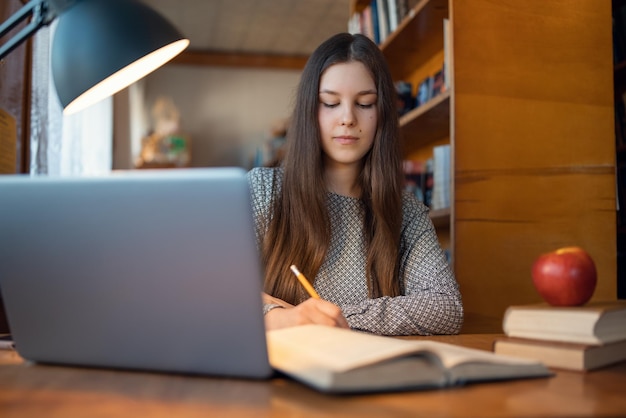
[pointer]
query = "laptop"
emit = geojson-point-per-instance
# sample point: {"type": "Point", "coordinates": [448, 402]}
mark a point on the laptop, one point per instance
{"type": "Point", "coordinates": [144, 270]}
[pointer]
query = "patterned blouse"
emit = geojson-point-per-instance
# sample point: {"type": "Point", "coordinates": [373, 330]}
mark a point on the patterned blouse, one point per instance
{"type": "Point", "coordinates": [431, 303]}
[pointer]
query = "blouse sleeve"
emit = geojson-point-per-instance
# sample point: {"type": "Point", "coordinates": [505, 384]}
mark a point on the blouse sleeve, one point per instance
{"type": "Point", "coordinates": [262, 183]}
{"type": "Point", "coordinates": [431, 301]}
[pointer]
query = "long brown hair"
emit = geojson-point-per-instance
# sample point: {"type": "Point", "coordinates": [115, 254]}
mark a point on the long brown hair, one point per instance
{"type": "Point", "coordinates": [299, 230]}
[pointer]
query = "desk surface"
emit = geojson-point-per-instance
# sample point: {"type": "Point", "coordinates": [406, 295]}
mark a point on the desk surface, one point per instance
{"type": "Point", "coordinates": [37, 390]}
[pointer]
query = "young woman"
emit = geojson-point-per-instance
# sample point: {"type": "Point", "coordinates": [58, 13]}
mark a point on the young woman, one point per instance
{"type": "Point", "coordinates": [335, 208]}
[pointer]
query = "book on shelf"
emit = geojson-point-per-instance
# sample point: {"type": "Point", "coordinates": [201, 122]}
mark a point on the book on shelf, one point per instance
{"type": "Point", "coordinates": [439, 83]}
{"type": "Point", "coordinates": [405, 101]}
{"type": "Point", "coordinates": [428, 183]}
{"type": "Point", "coordinates": [375, 26]}
{"type": "Point", "coordinates": [365, 21]}
{"type": "Point", "coordinates": [598, 322]}
{"type": "Point", "coordinates": [378, 19]}
{"type": "Point", "coordinates": [415, 177]}
{"type": "Point", "coordinates": [424, 91]}
{"type": "Point", "coordinates": [392, 15]}
{"type": "Point", "coordinates": [447, 54]}
{"type": "Point", "coordinates": [570, 356]}
{"type": "Point", "coordinates": [441, 177]}
{"type": "Point", "coordinates": [337, 360]}
{"type": "Point", "coordinates": [432, 86]}
{"type": "Point", "coordinates": [403, 8]}
{"type": "Point", "coordinates": [383, 20]}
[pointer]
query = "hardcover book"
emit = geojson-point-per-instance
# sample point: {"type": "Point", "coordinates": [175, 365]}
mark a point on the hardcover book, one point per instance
{"type": "Point", "coordinates": [338, 360]}
{"type": "Point", "coordinates": [593, 323]}
{"type": "Point", "coordinates": [571, 356]}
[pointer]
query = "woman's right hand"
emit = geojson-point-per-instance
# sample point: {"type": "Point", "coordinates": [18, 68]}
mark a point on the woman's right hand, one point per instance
{"type": "Point", "coordinates": [311, 311]}
{"type": "Point", "coordinates": [268, 299]}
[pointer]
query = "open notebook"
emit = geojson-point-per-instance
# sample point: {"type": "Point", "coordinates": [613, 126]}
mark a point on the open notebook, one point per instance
{"type": "Point", "coordinates": [150, 270]}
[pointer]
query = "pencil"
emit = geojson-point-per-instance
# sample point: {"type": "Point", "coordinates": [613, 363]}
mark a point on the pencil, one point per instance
{"type": "Point", "coordinates": [305, 283]}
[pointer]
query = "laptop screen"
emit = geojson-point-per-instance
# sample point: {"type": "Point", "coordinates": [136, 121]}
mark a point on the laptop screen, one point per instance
{"type": "Point", "coordinates": [151, 270]}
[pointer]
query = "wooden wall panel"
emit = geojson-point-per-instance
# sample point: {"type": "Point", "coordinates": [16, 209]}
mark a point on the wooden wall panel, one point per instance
{"type": "Point", "coordinates": [14, 86]}
{"type": "Point", "coordinates": [528, 133]}
{"type": "Point", "coordinates": [544, 50]}
{"type": "Point", "coordinates": [14, 97]}
{"type": "Point", "coordinates": [534, 145]}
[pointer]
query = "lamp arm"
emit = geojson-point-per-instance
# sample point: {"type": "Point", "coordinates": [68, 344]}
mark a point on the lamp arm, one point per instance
{"type": "Point", "coordinates": [42, 11]}
{"type": "Point", "coordinates": [38, 9]}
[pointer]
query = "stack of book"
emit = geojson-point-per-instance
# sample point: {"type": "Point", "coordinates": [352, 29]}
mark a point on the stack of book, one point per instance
{"type": "Point", "coordinates": [574, 338]}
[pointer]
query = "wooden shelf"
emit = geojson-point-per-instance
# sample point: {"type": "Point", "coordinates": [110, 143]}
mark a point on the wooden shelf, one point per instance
{"type": "Point", "coordinates": [426, 123]}
{"type": "Point", "coordinates": [419, 36]}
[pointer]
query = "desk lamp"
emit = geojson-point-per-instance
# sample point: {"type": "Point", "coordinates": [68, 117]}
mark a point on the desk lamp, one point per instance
{"type": "Point", "coordinates": [99, 46]}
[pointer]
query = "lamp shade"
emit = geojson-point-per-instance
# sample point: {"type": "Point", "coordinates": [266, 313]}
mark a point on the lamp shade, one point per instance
{"type": "Point", "coordinates": [103, 46]}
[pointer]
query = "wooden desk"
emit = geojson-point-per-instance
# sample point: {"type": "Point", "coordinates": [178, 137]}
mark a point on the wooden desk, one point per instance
{"type": "Point", "coordinates": [28, 390]}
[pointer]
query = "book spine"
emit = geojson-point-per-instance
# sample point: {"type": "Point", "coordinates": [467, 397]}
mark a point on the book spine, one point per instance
{"type": "Point", "coordinates": [383, 25]}
{"type": "Point", "coordinates": [441, 177]}
{"type": "Point", "coordinates": [392, 15]}
{"type": "Point", "coordinates": [447, 54]}
{"type": "Point", "coordinates": [375, 24]}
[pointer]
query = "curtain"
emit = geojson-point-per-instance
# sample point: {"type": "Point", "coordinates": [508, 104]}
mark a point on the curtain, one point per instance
{"type": "Point", "coordinates": [79, 144]}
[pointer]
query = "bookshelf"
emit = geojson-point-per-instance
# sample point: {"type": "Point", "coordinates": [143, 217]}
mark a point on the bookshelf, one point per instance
{"type": "Point", "coordinates": [417, 43]}
{"type": "Point", "coordinates": [529, 117]}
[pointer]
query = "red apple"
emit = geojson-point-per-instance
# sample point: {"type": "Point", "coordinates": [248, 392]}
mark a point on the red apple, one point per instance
{"type": "Point", "coordinates": [565, 277]}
